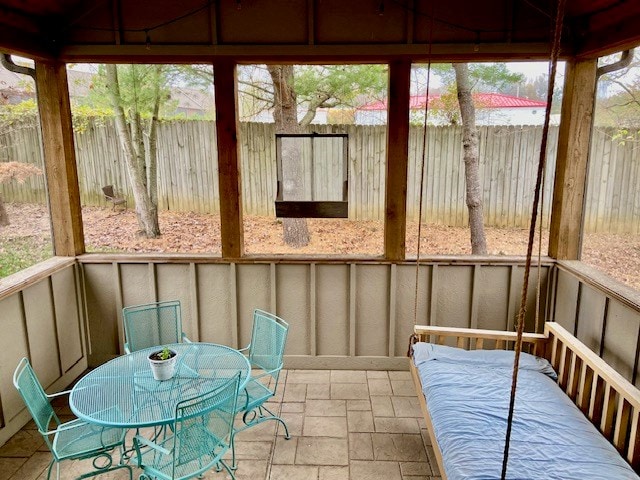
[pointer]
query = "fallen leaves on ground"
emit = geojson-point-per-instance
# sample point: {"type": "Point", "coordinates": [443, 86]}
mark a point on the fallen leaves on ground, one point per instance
{"type": "Point", "coordinates": [106, 230]}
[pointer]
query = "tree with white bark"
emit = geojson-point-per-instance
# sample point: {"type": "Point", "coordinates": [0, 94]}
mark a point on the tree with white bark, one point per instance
{"type": "Point", "coordinates": [136, 94]}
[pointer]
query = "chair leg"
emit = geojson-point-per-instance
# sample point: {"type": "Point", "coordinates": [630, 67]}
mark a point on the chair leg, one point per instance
{"type": "Point", "coordinates": [228, 469]}
{"type": "Point", "coordinates": [233, 450]}
{"type": "Point", "coordinates": [50, 468]}
{"type": "Point", "coordinates": [256, 419]}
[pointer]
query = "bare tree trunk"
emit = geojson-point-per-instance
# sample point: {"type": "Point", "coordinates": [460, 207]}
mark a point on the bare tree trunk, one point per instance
{"type": "Point", "coordinates": [152, 152]}
{"type": "Point", "coordinates": [4, 218]}
{"type": "Point", "coordinates": [146, 214]}
{"type": "Point", "coordinates": [296, 232]}
{"type": "Point", "coordinates": [471, 168]}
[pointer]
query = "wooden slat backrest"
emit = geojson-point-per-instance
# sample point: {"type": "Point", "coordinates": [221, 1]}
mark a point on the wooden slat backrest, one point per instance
{"type": "Point", "coordinates": [608, 399]}
{"type": "Point", "coordinates": [481, 339]}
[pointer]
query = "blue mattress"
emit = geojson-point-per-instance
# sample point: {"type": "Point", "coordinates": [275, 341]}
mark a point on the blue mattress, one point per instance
{"type": "Point", "coordinates": [467, 394]}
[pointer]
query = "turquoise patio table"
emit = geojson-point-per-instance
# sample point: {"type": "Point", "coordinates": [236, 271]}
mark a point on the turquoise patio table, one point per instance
{"type": "Point", "coordinates": [122, 392]}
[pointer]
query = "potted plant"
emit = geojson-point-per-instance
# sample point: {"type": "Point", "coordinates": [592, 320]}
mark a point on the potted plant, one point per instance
{"type": "Point", "coordinates": [163, 363]}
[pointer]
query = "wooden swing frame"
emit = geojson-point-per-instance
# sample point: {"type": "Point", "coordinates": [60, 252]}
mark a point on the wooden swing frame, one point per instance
{"type": "Point", "coordinates": [609, 400]}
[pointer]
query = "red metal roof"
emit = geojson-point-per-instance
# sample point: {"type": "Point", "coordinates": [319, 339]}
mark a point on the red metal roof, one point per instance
{"type": "Point", "coordinates": [482, 100]}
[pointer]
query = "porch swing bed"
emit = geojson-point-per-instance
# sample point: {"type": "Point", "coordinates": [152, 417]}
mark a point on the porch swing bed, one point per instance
{"type": "Point", "coordinates": [575, 417]}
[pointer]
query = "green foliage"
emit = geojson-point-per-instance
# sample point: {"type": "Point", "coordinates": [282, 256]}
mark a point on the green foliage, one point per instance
{"type": "Point", "coordinates": [340, 84]}
{"type": "Point", "coordinates": [137, 87]}
{"type": "Point", "coordinates": [21, 252]}
{"type": "Point", "coordinates": [495, 77]}
{"type": "Point", "coordinates": [625, 135]}
{"type": "Point", "coordinates": [26, 114]}
{"type": "Point", "coordinates": [85, 115]}
{"type": "Point", "coordinates": [23, 113]}
{"type": "Point", "coordinates": [314, 86]}
{"type": "Point", "coordinates": [164, 354]}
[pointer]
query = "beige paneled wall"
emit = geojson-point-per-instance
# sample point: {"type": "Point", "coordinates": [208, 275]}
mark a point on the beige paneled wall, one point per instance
{"type": "Point", "coordinates": [43, 321]}
{"type": "Point", "coordinates": [343, 314]}
{"type": "Point", "coordinates": [602, 313]}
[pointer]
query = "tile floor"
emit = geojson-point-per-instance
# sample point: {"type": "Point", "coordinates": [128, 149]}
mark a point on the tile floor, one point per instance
{"type": "Point", "coordinates": [357, 425]}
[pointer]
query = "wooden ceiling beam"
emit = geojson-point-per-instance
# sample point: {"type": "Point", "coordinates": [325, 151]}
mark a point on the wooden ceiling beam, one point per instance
{"type": "Point", "coordinates": [611, 39]}
{"type": "Point", "coordinates": [318, 29]}
{"type": "Point", "coordinates": [305, 53]}
{"type": "Point", "coordinates": [15, 42]}
{"type": "Point", "coordinates": [311, 22]}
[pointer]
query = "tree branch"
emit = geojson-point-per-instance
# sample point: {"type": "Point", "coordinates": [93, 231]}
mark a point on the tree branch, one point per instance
{"type": "Point", "coordinates": [626, 89]}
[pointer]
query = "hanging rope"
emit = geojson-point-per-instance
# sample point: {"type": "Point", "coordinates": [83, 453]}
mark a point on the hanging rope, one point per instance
{"type": "Point", "coordinates": [422, 172]}
{"type": "Point", "coordinates": [413, 339]}
{"type": "Point", "coordinates": [539, 269]}
{"type": "Point", "coordinates": [555, 51]}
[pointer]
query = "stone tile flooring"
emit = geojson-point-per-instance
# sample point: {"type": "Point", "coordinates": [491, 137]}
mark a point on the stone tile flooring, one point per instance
{"type": "Point", "coordinates": [357, 425]}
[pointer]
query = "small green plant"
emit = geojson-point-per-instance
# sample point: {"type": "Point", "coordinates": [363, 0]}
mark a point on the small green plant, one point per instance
{"type": "Point", "coordinates": [164, 354]}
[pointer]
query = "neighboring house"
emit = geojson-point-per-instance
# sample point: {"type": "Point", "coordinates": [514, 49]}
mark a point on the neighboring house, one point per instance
{"type": "Point", "coordinates": [192, 102]}
{"type": "Point", "coordinates": [266, 116]}
{"type": "Point", "coordinates": [491, 109]}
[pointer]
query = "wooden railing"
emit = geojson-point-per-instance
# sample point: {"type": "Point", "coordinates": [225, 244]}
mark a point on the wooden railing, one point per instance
{"type": "Point", "coordinates": [610, 401]}
{"type": "Point", "coordinates": [42, 317]}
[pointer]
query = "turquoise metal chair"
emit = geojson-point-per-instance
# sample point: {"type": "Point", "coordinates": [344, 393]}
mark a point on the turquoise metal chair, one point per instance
{"type": "Point", "coordinates": [201, 436]}
{"type": "Point", "coordinates": [265, 352]}
{"type": "Point", "coordinates": [73, 440]}
{"type": "Point", "coordinates": [152, 324]}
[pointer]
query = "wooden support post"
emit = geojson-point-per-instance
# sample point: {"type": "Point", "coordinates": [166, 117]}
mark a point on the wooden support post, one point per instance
{"type": "Point", "coordinates": [574, 140]}
{"type": "Point", "coordinates": [231, 227]}
{"type": "Point", "coordinates": [395, 222]}
{"type": "Point", "coordinates": [59, 158]}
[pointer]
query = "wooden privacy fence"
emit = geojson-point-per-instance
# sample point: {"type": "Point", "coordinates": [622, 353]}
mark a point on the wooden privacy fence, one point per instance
{"type": "Point", "coordinates": [188, 171]}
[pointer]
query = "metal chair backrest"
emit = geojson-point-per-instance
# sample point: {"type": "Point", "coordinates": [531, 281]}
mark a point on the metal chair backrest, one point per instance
{"type": "Point", "coordinates": [28, 385]}
{"type": "Point", "coordinates": [108, 191]}
{"type": "Point", "coordinates": [203, 427]}
{"type": "Point", "coordinates": [268, 340]}
{"type": "Point", "coordinates": [152, 324]}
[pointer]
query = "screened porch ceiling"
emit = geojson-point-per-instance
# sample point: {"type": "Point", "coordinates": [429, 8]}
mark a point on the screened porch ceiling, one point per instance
{"type": "Point", "coordinates": [311, 30]}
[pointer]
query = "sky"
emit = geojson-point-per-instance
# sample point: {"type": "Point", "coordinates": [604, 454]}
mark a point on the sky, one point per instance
{"type": "Point", "coordinates": [532, 70]}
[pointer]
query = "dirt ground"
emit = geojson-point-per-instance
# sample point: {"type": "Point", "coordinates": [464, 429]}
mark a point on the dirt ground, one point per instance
{"type": "Point", "coordinates": [188, 232]}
